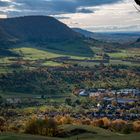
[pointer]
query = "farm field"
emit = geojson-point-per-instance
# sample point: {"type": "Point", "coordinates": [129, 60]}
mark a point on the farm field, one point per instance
{"type": "Point", "coordinates": [31, 58]}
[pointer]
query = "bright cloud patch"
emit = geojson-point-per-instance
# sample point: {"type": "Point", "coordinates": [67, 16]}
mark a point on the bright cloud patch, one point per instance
{"type": "Point", "coordinates": [121, 16]}
{"type": "Point", "coordinates": [3, 16]}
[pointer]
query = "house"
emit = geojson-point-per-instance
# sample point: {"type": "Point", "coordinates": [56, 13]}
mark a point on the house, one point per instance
{"type": "Point", "coordinates": [107, 99]}
{"type": "Point", "coordinates": [98, 92]}
{"type": "Point", "coordinates": [84, 93]}
{"type": "Point", "coordinates": [127, 91]}
{"type": "Point", "coordinates": [120, 100]}
{"type": "Point", "coordinates": [94, 94]}
{"type": "Point", "coordinates": [13, 100]}
{"type": "Point", "coordinates": [124, 101]}
{"type": "Point", "coordinates": [102, 90]}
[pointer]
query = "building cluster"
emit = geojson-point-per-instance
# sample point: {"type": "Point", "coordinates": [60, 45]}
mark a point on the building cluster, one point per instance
{"type": "Point", "coordinates": [99, 92]}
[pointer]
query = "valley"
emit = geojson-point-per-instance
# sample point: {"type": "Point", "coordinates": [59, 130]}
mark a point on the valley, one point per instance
{"type": "Point", "coordinates": [57, 83]}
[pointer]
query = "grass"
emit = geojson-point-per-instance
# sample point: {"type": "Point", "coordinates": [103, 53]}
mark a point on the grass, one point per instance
{"type": "Point", "coordinates": [35, 54]}
{"type": "Point", "coordinates": [24, 137]}
{"type": "Point", "coordinates": [118, 55]}
{"type": "Point", "coordinates": [72, 48]}
{"type": "Point", "coordinates": [90, 64]}
{"type": "Point", "coordinates": [117, 62]}
{"type": "Point", "coordinates": [15, 95]}
{"type": "Point", "coordinates": [8, 70]}
{"type": "Point", "coordinates": [51, 63]}
{"type": "Point", "coordinates": [91, 133]}
{"type": "Point", "coordinates": [125, 53]}
{"type": "Point", "coordinates": [97, 49]}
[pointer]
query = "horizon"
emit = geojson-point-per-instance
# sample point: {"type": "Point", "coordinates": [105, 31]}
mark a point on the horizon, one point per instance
{"type": "Point", "coordinates": [100, 32]}
{"type": "Point", "coordinates": [89, 15]}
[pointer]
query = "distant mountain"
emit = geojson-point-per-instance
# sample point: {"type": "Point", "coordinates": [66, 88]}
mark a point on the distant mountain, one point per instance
{"type": "Point", "coordinates": [33, 28]}
{"type": "Point", "coordinates": [138, 40]}
{"type": "Point", "coordinates": [135, 44]}
{"type": "Point", "coordinates": [3, 36]}
{"type": "Point", "coordinates": [42, 31]}
{"type": "Point", "coordinates": [84, 32]}
{"type": "Point", "coordinates": [111, 36]}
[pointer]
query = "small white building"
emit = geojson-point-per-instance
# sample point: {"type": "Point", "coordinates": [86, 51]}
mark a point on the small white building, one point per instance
{"type": "Point", "coordinates": [83, 93]}
{"type": "Point", "coordinates": [13, 100]}
{"type": "Point", "coordinates": [94, 94]}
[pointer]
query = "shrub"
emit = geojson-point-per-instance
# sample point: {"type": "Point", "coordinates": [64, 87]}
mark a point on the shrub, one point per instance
{"type": "Point", "coordinates": [98, 123]}
{"type": "Point", "coordinates": [136, 126]}
{"type": "Point", "coordinates": [2, 124]}
{"type": "Point", "coordinates": [86, 122]}
{"type": "Point", "coordinates": [103, 123]}
{"type": "Point", "coordinates": [118, 125]}
{"type": "Point", "coordinates": [127, 129]}
{"type": "Point", "coordinates": [106, 122]}
{"type": "Point", "coordinates": [46, 127]}
{"type": "Point", "coordinates": [64, 120]}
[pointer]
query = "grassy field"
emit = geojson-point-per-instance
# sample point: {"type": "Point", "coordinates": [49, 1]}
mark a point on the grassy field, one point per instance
{"type": "Point", "coordinates": [91, 133]}
{"type": "Point", "coordinates": [23, 137]}
{"type": "Point", "coordinates": [35, 54]}
{"type": "Point", "coordinates": [32, 55]}
{"type": "Point", "coordinates": [29, 53]}
{"type": "Point", "coordinates": [124, 53]}
{"type": "Point", "coordinates": [51, 63]}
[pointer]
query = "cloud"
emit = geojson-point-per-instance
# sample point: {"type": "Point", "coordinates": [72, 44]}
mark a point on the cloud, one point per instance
{"type": "Point", "coordinates": [3, 16]}
{"type": "Point", "coordinates": [120, 16]}
{"type": "Point", "coordinates": [84, 10]}
{"type": "Point", "coordinates": [3, 3]}
{"type": "Point", "coordinates": [94, 15]}
{"type": "Point", "coordinates": [27, 7]}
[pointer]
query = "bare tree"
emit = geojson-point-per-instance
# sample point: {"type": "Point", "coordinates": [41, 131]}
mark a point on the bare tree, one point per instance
{"type": "Point", "coordinates": [138, 3]}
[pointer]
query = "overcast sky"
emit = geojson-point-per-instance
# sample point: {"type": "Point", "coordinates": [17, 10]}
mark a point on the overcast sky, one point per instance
{"type": "Point", "coordinates": [93, 15]}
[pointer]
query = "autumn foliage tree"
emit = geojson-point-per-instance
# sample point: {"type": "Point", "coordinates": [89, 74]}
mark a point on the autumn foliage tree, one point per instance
{"type": "Point", "coordinates": [45, 127]}
{"type": "Point", "coordinates": [121, 126]}
{"type": "Point", "coordinates": [103, 122]}
{"type": "Point", "coordinates": [136, 126]}
{"type": "Point", "coordinates": [63, 120]}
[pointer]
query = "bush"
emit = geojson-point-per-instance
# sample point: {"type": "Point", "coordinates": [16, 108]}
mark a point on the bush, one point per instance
{"type": "Point", "coordinates": [86, 122]}
{"type": "Point", "coordinates": [103, 123]}
{"type": "Point", "coordinates": [64, 120]}
{"type": "Point", "coordinates": [136, 126]}
{"type": "Point", "coordinates": [46, 127]}
{"type": "Point", "coordinates": [2, 124]}
{"type": "Point", "coordinates": [98, 123]}
{"type": "Point", "coordinates": [127, 129]}
{"type": "Point", "coordinates": [118, 125]}
{"type": "Point", "coordinates": [106, 122]}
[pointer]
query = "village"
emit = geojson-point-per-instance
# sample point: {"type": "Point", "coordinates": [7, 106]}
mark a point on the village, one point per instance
{"type": "Point", "coordinates": [95, 103]}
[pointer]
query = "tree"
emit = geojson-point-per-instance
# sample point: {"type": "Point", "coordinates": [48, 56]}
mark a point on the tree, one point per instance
{"type": "Point", "coordinates": [136, 126]}
{"type": "Point", "coordinates": [2, 124]}
{"type": "Point", "coordinates": [138, 3]}
{"type": "Point", "coordinates": [45, 127]}
{"type": "Point", "coordinates": [118, 125]}
{"type": "Point", "coordinates": [1, 99]}
{"type": "Point", "coordinates": [68, 101]}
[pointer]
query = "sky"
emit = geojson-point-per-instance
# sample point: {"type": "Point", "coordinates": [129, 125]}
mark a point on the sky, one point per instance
{"type": "Point", "coordinates": [92, 15]}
